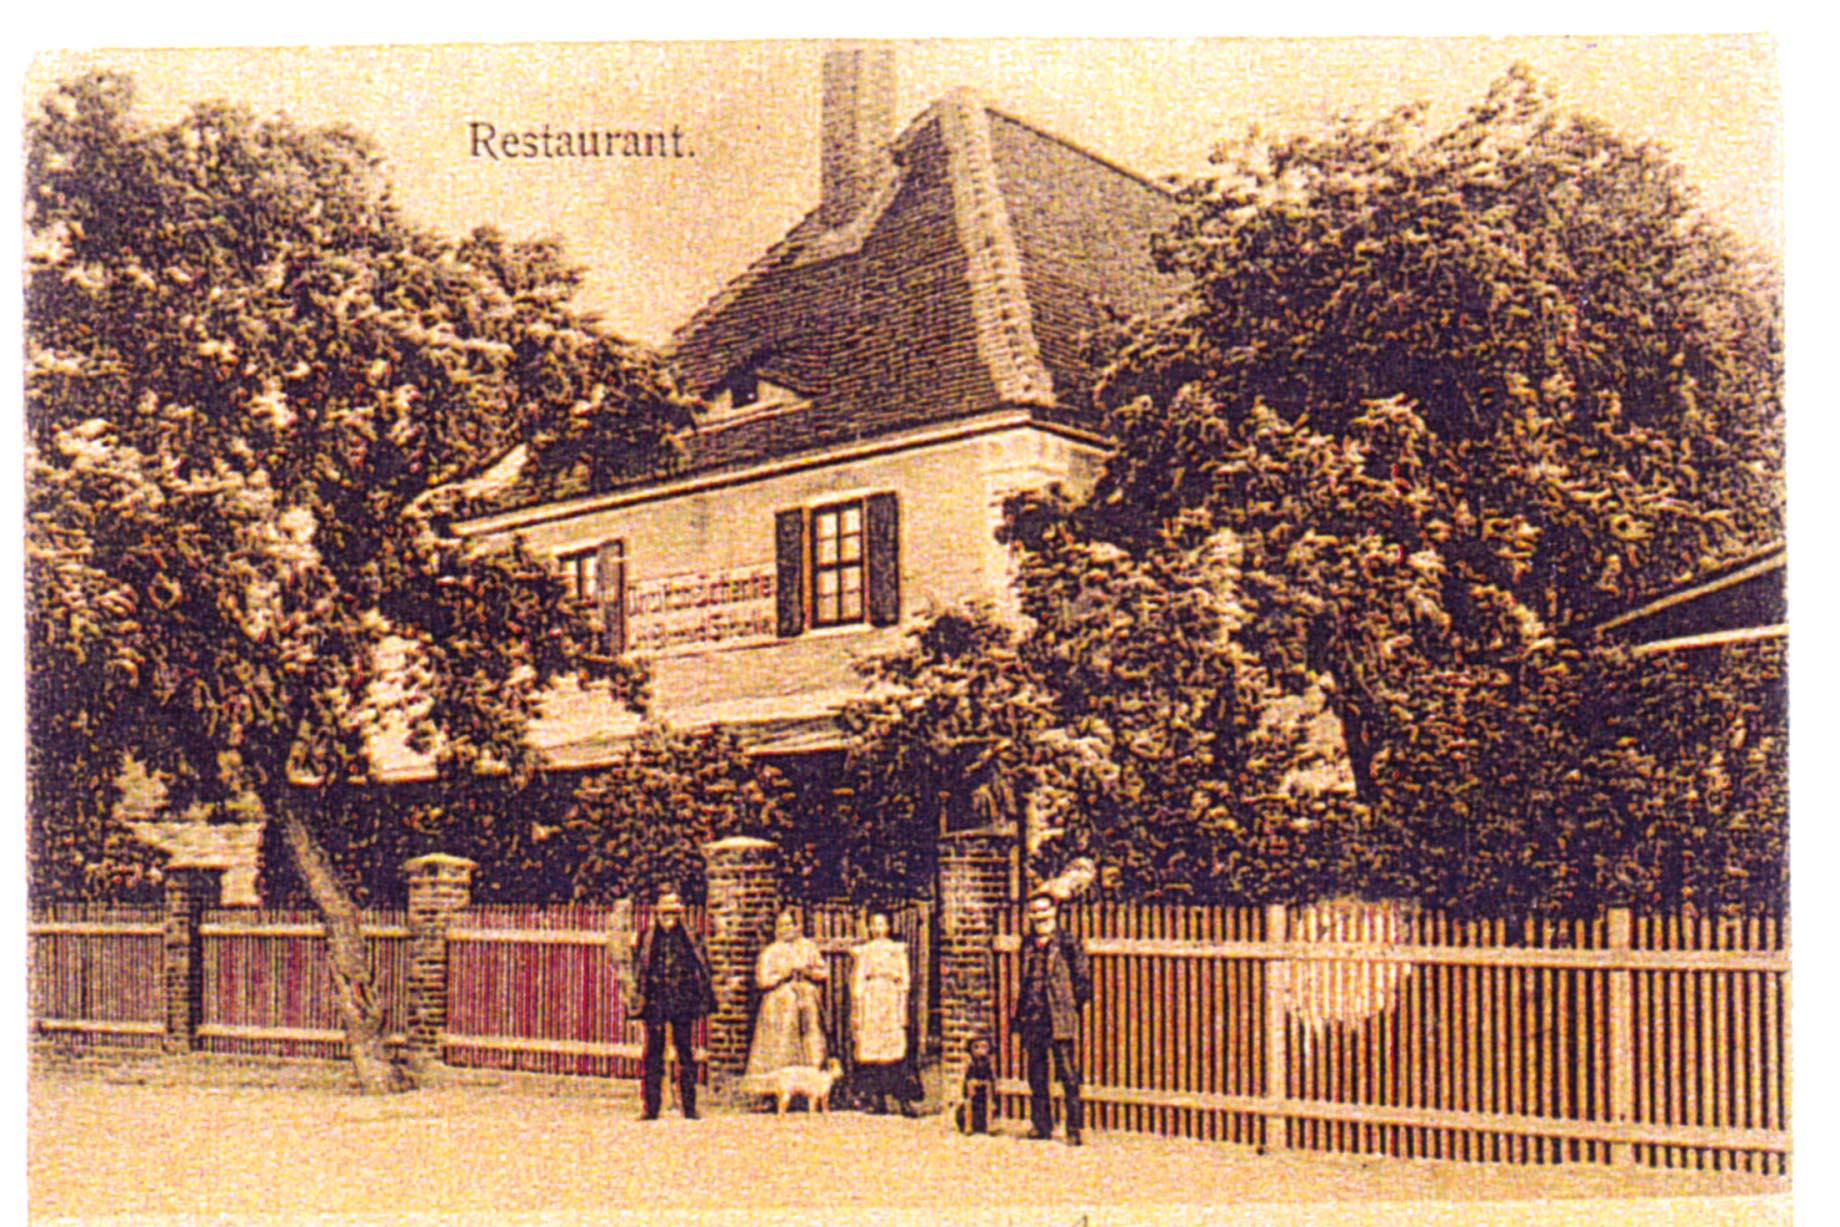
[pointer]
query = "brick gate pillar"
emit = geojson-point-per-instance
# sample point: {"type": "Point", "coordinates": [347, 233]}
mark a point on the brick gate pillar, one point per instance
{"type": "Point", "coordinates": [974, 874]}
{"type": "Point", "coordinates": [743, 876]}
{"type": "Point", "coordinates": [440, 887]}
{"type": "Point", "coordinates": [188, 892]}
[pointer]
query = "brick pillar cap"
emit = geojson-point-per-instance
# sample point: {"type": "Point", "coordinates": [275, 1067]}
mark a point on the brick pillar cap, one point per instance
{"type": "Point", "coordinates": [440, 865]}
{"type": "Point", "coordinates": [737, 843]}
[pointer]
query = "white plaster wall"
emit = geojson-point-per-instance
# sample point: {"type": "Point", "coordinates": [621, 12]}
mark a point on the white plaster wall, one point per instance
{"type": "Point", "coordinates": [950, 496]}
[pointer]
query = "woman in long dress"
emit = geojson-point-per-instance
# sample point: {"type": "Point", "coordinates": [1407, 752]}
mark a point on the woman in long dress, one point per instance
{"type": "Point", "coordinates": [789, 1029]}
{"type": "Point", "coordinates": [878, 1012]}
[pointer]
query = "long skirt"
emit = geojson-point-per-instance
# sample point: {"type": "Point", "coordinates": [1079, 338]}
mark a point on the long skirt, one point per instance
{"type": "Point", "coordinates": [789, 1030]}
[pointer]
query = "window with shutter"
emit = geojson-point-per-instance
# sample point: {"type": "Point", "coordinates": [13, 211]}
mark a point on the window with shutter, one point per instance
{"type": "Point", "coordinates": [789, 571]}
{"type": "Point", "coordinates": [883, 516]}
{"type": "Point", "coordinates": [598, 576]}
{"type": "Point", "coordinates": [611, 568]}
{"type": "Point", "coordinates": [837, 566]}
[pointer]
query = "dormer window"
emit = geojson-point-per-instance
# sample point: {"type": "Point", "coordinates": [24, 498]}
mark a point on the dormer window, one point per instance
{"type": "Point", "coordinates": [746, 395]}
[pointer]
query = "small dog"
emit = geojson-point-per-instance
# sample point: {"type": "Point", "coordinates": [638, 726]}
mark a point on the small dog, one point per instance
{"type": "Point", "coordinates": [796, 1081]}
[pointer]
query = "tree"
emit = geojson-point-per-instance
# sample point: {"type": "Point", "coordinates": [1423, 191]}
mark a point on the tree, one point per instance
{"type": "Point", "coordinates": [954, 735]}
{"type": "Point", "coordinates": [641, 822]}
{"type": "Point", "coordinates": [1445, 399]}
{"type": "Point", "coordinates": [254, 397]}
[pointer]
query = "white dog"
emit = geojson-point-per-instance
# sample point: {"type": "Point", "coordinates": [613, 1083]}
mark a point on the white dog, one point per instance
{"type": "Point", "coordinates": [795, 1081]}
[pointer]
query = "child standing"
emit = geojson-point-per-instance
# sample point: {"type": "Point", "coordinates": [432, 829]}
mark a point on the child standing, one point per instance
{"type": "Point", "coordinates": [980, 1090]}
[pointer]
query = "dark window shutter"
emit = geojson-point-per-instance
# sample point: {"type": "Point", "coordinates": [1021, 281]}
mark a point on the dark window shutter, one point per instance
{"type": "Point", "coordinates": [612, 584]}
{"type": "Point", "coordinates": [789, 571]}
{"type": "Point", "coordinates": [883, 517]}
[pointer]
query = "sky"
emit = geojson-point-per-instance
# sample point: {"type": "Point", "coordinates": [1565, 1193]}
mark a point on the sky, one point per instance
{"type": "Point", "coordinates": [659, 237]}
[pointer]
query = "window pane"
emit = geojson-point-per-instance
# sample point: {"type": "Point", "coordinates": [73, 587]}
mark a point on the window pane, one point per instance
{"type": "Point", "coordinates": [827, 551]}
{"type": "Point", "coordinates": [852, 518]}
{"type": "Point", "coordinates": [827, 583]}
{"type": "Point", "coordinates": [826, 612]}
{"type": "Point", "coordinates": [852, 607]}
{"type": "Point", "coordinates": [852, 579]}
{"type": "Point", "coordinates": [851, 547]}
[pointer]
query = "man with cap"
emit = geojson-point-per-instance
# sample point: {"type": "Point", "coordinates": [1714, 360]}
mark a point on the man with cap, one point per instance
{"type": "Point", "coordinates": [671, 976]}
{"type": "Point", "coordinates": [1056, 985]}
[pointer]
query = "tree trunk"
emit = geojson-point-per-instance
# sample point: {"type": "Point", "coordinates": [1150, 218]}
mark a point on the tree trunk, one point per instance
{"type": "Point", "coordinates": [1355, 741]}
{"type": "Point", "coordinates": [356, 995]}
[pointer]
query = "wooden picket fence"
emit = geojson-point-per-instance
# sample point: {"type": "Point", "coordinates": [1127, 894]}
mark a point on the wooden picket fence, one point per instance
{"type": "Point", "coordinates": [1373, 1029]}
{"type": "Point", "coordinates": [534, 989]}
{"type": "Point", "coordinates": [96, 974]}
{"type": "Point", "coordinates": [1660, 1041]}
{"type": "Point", "coordinates": [268, 981]}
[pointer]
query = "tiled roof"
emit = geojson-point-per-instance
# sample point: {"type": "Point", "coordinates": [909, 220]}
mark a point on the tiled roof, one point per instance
{"type": "Point", "coordinates": [967, 285]}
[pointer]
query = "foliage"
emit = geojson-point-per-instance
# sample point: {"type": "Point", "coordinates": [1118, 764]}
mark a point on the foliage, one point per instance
{"type": "Point", "coordinates": [1600, 357]}
{"type": "Point", "coordinates": [950, 737]}
{"type": "Point", "coordinates": [254, 395]}
{"type": "Point", "coordinates": [1437, 403]}
{"type": "Point", "coordinates": [1450, 398]}
{"type": "Point", "coordinates": [641, 823]}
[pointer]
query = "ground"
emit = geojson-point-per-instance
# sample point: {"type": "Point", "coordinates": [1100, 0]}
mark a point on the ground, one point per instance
{"type": "Point", "coordinates": [203, 1140]}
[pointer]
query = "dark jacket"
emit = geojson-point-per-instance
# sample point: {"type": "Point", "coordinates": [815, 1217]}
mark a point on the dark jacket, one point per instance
{"type": "Point", "coordinates": [1060, 978]}
{"type": "Point", "coordinates": [698, 997]}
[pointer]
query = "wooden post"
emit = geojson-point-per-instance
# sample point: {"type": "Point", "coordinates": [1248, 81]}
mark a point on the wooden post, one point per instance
{"type": "Point", "coordinates": [1622, 1038]}
{"type": "Point", "coordinates": [1277, 1039]}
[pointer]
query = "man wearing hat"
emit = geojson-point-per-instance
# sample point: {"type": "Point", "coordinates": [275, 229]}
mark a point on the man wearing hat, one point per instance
{"type": "Point", "coordinates": [1056, 985]}
{"type": "Point", "coordinates": [671, 975]}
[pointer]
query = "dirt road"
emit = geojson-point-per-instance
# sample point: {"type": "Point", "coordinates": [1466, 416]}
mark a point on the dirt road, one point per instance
{"type": "Point", "coordinates": [140, 1144]}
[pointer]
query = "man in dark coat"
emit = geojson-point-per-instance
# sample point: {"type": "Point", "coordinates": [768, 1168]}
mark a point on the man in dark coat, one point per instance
{"type": "Point", "coordinates": [1056, 985]}
{"type": "Point", "coordinates": [671, 974]}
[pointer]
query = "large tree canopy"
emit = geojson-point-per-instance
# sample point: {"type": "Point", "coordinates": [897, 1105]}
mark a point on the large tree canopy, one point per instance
{"type": "Point", "coordinates": [1453, 396]}
{"type": "Point", "coordinates": [1438, 401]}
{"type": "Point", "coordinates": [254, 393]}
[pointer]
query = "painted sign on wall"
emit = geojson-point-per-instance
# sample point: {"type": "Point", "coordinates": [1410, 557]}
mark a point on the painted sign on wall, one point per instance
{"type": "Point", "coordinates": [697, 611]}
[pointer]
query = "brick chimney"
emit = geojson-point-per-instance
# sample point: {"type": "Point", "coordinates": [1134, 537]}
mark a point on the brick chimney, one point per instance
{"type": "Point", "coordinates": [858, 126]}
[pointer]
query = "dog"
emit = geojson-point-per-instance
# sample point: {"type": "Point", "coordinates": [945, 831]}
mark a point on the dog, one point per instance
{"type": "Point", "coordinates": [796, 1081]}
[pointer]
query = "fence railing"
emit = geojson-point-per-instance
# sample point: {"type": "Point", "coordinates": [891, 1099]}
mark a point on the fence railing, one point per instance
{"type": "Point", "coordinates": [268, 982]}
{"type": "Point", "coordinates": [1373, 1029]}
{"type": "Point", "coordinates": [534, 989]}
{"type": "Point", "coordinates": [96, 973]}
{"type": "Point", "coordinates": [1662, 1041]}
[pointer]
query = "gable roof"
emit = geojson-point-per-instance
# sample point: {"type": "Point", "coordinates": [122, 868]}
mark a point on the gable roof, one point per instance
{"type": "Point", "coordinates": [967, 284]}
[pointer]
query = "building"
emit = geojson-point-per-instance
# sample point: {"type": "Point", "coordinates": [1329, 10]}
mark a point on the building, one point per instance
{"type": "Point", "coordinates": [879, 380]}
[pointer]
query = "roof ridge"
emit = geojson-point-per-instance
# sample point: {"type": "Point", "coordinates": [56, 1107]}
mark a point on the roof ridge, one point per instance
{"type": "Point", "coordinates": [1005, 321]}
{"type": "Point", "coordinates": [1101, 159]}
